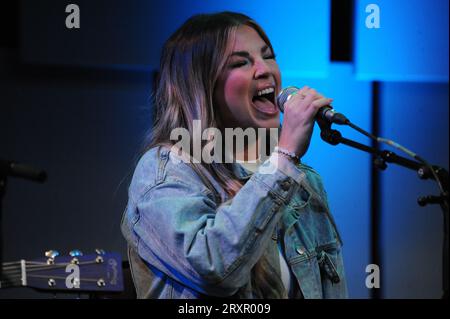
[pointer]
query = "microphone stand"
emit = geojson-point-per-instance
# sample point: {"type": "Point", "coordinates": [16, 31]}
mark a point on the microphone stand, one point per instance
{"type": "Point", "coordinates": [381, 157]}
{"type": "Point", "coordinates": [10, 168]}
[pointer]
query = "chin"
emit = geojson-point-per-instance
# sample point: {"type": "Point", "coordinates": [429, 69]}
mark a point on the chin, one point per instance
{"type": "Point", "coordinates": [270, 123]}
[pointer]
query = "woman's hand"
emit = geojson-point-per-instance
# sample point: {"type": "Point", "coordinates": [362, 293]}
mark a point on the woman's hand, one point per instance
{"type": "Point", "coordinates": [298, 119]}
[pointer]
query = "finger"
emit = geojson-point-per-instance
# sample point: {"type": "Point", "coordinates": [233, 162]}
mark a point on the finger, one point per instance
{"type": "Point", "coordinates": [314, 107]}
{"type": "Point", "coordinates": [301, 93]}
{"type": "Point", "coordinates": [317, 104]}
{"type": "Point", "coordinates": [297, 97]}
{"type": "Point", "coordinates": [303, 90]}
{"type": "Point", "coordinates": [321, 102]}
{"type": "Point", "coordinates": [318, 96]}
{"type": "Point", "coordinates": [309, 98]}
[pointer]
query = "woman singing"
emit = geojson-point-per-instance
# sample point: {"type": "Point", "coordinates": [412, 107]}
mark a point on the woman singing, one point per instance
{"type": "Point", "coordinates": [235, 224]}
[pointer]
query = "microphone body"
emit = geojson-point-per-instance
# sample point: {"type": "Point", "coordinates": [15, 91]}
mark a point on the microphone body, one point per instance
{"type": "Point", "coordinates": [326, 113]}
{"type": "Point", "coordinates": [10, 168]}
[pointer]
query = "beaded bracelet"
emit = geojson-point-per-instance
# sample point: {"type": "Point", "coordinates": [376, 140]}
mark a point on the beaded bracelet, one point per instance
{"type": "Point", "coordinates": [285, 152]}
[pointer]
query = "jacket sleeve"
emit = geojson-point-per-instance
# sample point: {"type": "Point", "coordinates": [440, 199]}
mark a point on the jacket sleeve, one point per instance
{"type": "Point", "coordinates": [211, 248]}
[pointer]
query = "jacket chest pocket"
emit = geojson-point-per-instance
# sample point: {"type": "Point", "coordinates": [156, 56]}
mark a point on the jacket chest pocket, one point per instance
{"type": "Point", "coordinates": [300, 199]}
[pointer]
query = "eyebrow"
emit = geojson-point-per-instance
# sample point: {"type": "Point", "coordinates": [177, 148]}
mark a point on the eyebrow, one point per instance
{"type": "Point", "coordinates": [245, 54]}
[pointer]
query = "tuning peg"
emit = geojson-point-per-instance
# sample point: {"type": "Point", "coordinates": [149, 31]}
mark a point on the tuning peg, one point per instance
{"type": "Point", "coordinates": [99, 251]}
{"type": "Point", "coordinates": [51, 282]}
{"type": "Point", "coordinates": [51, 254]}
{"type": "Point", "coordinates": [99, 259]}
{"type": "Point", "coordinates": [75, 253]}
{"type": "Point", "coordinates": [101, 282]}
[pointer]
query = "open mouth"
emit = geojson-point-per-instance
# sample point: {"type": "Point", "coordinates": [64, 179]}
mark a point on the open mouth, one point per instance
{"type": "Point", "coordinates": [264, 101]}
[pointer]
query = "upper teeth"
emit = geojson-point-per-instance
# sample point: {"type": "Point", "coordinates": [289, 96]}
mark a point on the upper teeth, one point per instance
{"type": "Point", "coordinates": [265, 91]}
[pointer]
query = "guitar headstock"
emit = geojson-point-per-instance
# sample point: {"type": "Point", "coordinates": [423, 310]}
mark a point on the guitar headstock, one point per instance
{"type": "Point", "coordinates": [99, 272]}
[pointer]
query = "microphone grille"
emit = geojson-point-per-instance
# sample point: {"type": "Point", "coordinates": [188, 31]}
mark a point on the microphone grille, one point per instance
{"type": "Point", "coordinates": [284, 95]}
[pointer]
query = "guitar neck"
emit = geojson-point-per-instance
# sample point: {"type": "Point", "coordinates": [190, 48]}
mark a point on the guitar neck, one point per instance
{"type": "Point", "coordinates": [13, 274]}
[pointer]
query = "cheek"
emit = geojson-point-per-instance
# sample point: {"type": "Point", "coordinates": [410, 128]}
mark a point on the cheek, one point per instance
{"type": "Point", "coordinates": [277, 75]}
{"type": "Point", "coordinates": [236, 91]}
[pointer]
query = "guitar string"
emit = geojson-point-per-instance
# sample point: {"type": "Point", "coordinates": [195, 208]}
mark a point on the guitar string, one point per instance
{"type": "Point", "coordinates": [14, 280]}
{"type": "Point", "coordinates": [11, 264]}
{"type": "Point", "coordinates": [8, 282]}
{"type": "Point", "coordinates": [15, 283]}
{"type": "Point", "coordinates": [41, 267]}
{"type": "Point", "coordinates": [63, 278]}
{"type": "Point", "coordinates": [45, 265]}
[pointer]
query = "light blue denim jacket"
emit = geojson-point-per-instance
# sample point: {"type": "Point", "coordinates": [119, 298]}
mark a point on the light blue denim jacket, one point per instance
{"type": "Point", "coordinates": [182, 244]}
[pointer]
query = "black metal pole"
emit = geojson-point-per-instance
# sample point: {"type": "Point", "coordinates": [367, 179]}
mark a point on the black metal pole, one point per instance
{"type": "Point", "coordinates": [375, 195]}
{"type": "Point", "coordinates": [2, 193]}
{"type": "Point", "coordinates": [445, 265]}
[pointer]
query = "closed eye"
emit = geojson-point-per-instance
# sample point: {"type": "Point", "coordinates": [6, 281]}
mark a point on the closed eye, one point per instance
{"type": "Point", "coordinates": [238, 64]}
{"type": "Point", "coordinates": [270, 57]}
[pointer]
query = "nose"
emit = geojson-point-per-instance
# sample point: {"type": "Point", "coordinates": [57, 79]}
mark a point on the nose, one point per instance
{"type": "Point", "coordinates": [262, 69]}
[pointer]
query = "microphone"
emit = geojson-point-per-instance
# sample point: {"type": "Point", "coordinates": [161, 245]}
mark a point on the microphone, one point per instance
{"type": "Point", "coordinates": [326, 113]}
{"type": "Point", "coordinates": [10, 168]}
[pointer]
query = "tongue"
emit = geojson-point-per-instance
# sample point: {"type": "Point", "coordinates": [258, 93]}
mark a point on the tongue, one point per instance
{"type": "Point", "coordinates": [264, 104]}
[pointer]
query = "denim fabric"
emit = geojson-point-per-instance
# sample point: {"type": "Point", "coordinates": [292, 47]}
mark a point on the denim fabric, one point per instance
{"type": "Point", "coordinates": [182, 244]}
